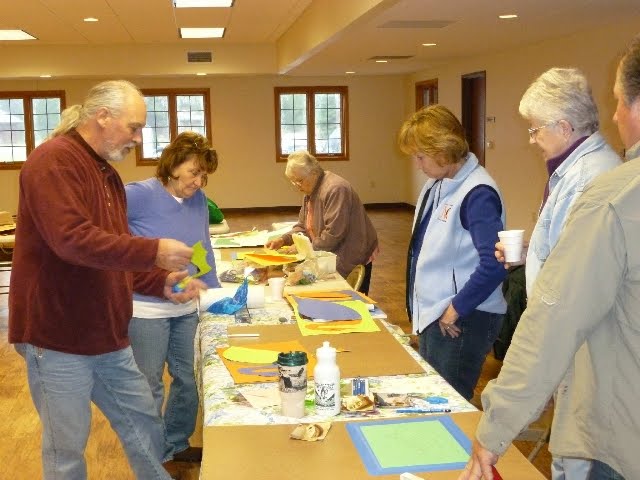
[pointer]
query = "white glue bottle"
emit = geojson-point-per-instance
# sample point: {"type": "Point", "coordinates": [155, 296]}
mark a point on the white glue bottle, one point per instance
{"type": "Point", "coordinates": [326, 376]}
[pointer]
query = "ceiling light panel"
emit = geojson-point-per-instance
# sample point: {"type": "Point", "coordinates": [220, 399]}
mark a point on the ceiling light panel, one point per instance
{"type": "Point", "coordinates": [15, 35]}
{"type": "Point", "coordinates": [416, 24]}
{"type": "Point", "coordinates": [202, 3]}
{"type": "Point", "coordinates": [201, 32]}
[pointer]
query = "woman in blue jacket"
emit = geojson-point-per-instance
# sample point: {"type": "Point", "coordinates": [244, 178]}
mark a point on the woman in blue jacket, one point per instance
{"type": "Point", "coordinates": [454, 295]}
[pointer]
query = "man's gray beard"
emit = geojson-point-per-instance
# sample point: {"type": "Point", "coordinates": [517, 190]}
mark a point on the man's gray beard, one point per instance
{"type": "Point", "coordinates": [115, 156]}
{"type": "Point", "coordinates": [119, 155]}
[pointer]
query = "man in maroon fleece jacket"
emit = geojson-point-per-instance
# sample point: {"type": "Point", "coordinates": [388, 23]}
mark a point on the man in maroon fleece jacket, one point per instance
{"type": "Point", "coordinates": [74, 269]}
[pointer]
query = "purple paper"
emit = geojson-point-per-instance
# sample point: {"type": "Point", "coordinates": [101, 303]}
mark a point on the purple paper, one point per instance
{"type": "Point", "coordinates": [324, 310]}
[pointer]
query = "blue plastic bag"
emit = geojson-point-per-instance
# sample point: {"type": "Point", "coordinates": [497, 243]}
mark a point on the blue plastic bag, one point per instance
{"type": "Point", "coordinates": [230, 305]}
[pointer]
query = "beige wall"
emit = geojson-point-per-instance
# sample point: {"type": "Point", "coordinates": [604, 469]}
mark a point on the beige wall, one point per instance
{"type": "Point", "coordinates": [244, 135]}
{"type": "Point", "coordinates": [243, 124]}
{"type": "Point", "coordinates": [517, 166]}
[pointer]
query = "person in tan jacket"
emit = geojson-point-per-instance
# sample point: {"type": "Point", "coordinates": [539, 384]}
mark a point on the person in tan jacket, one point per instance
{"type": "Point", "coordinates": [587, 294]}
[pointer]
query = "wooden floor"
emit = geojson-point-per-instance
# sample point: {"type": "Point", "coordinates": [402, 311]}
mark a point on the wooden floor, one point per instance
{"type": "Point", "coordinates": [19, 425]}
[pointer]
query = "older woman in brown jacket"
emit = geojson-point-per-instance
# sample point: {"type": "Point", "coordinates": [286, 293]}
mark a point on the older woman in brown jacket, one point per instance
{"type": "Point", "coordinates": [332, 216]}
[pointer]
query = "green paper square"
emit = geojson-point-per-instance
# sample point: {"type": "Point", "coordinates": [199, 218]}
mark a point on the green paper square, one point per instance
{"type": "Point", "coordinates": [414, 443]}
{"type": "Point", "coordinates": [221, 242]}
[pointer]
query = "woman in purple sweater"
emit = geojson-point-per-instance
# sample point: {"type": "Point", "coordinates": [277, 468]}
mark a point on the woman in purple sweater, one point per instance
{"type": "Point", "coordinates": [172, 205]}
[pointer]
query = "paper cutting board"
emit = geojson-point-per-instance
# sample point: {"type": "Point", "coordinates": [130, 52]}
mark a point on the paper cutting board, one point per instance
{"type": "Point", "coordinates": [373, 354]}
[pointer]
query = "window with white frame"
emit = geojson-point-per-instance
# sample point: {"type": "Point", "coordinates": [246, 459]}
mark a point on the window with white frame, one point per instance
{"type": "Point", "coordinates": [26, 120]}
{"type": "Point", "coordinates": [169, 113]}
{"type": "Point", "coordinates": [313, 119]}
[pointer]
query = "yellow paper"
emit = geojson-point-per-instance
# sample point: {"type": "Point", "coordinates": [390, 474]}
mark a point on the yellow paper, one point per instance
{"type": "Point", "coordinates": [199, 259]}
{"type": "Point", "coordinates": [250, 355]}
{"type": "Point", "coordinates": [367, 324]}
{"type": "Point", "coordinates": [267, 260]}
{"type": "Point", "coordinates": [322, 295]}
{"type": "Point", "coordinates": [249, 372]}
{"type": "Point", "coordinates": [330, 295]}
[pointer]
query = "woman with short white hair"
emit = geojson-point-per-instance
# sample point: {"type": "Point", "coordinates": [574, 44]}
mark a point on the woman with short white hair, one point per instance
{"type": "Point", "coordinates": [564, 125]}
{"type": "Point", "coordinates": [332, 217]}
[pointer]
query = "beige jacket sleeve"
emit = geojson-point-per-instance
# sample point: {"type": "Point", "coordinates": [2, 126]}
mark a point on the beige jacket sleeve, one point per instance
{"type": "Point", "coordinates": [574, 293]}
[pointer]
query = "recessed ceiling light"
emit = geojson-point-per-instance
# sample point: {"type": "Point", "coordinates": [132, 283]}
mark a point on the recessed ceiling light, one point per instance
{"type": "Point", "coordinates": [511, 15]}
{"type": "Point", "coordinates": [201, 32]}
{"type": "Point", "coordinates": [349, 73]}
{"type": "Point", "coordinates": [382, 61]}
{"type": "Point", "coordinates": [90, 19]}
{"type": "Point", "coordinates": [202, 3]}
{"type": "Point", "coordinates": [15, 35]}
{"type": "Point", "coordinates": [428, 44]}
{"type": "Point", "coordinates": [201, 74]}
{"type": "Point", "coordinates": [46, 75]}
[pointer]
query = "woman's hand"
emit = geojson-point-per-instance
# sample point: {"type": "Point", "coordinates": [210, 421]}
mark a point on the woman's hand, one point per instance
{"type": "Point", "coordinates": [275, 244]}
{"type": "Point", "coordinates": [499, 253]}
{"type": "Point", "coordinates": [447, 322]}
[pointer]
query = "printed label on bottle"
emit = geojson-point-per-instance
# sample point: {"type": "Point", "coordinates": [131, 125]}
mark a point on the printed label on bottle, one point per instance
{"type": "Point", "coordinates": [326, 395]}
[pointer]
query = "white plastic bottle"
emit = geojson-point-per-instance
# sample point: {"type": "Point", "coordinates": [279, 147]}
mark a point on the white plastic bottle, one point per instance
{"type": "Point", "coordinates": [326, 376]}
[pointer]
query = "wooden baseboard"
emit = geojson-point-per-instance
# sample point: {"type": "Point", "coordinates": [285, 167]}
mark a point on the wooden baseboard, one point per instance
{"type": "Point", "coordinates": [277, 209]}
{"type": "Point", "coordinates": [296, 208]}
{"type": "Point", "coordinates": [389, 206]}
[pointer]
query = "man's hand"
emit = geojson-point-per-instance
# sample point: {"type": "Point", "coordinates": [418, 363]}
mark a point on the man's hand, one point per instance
{"type": "Point", "coordinates": [173, 255]}
{"type": "Point", "coordinates": [275, 244]}
{"type": "Point", "coordinates": [190, 291]}
{"type": "Point", "coordinates": [479, 465]}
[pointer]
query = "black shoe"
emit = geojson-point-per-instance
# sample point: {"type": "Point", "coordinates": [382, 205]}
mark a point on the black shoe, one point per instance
{"type": "Point", "coordinates": [191, 454]}
{"type": "Point", "coordinates": [173, 469]}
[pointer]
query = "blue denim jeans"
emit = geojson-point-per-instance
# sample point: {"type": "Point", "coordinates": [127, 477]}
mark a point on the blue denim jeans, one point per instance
{"type": "Point", "coordinates": [602, 471]}
{"type": "Point", "coordinates": [459, 360]}
{"type": "Point", "coordinates": [63, 386]}
{"type": "Point", "coordinates": [570, 468]}
{"type": "Point", "coordinates": [156, 341]}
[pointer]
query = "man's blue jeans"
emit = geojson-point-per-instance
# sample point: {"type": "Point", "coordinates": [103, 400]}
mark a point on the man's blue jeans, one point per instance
{"type": "Point", "coordinates": [158, 340]}
{"type": "Point", "coordinates": [63, 386]}
{"type": "Point", "coordinates": [602, 471]}
{"type": "Point", "coordinates": [570, 468]}
{"type": "Point", "coordinates": [459, 360]}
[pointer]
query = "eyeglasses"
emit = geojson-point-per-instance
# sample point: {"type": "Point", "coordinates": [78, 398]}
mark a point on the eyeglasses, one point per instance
{"type": "Point", "coordinates": [533, 131]}
{"type": "Point", "coordinates": [296, 183]}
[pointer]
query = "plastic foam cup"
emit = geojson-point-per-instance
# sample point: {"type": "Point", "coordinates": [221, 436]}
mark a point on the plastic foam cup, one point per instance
{"type": "Point", "coordinates": [512, 240]}
{"type": "Point", "coordinates": [276, 284]}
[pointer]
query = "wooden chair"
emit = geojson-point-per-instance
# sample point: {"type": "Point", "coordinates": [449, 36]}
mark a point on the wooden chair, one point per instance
{"type": "Point", "coordinates": [356, 276]}
{"type": "Point", "coordinates": [5, 272]}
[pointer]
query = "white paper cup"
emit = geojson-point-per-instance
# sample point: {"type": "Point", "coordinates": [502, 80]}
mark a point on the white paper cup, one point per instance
{"type": "Point", "coordinates": [255, 296]}
{"type": "Point", "coordinates": [276, 284]}
{"type": "Point", "coordinates": [512, 240]}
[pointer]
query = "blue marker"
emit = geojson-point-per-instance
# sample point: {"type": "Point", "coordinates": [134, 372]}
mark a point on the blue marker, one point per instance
{"type": "Point", "coordinates": [423, 410]}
